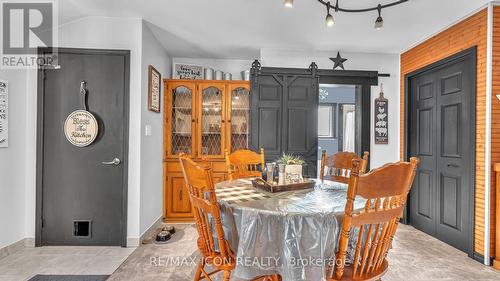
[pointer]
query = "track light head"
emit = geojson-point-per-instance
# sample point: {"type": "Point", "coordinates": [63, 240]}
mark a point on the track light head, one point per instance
{"type": "Point", "coordinates": [329, 18]}
{"type": "Point", "coordinates": [288, 3]}
{"type": "Point", "coordinates": [379, 22]}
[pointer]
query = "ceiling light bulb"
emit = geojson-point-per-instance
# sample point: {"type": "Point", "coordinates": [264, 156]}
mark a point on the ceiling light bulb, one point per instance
{"type": "Point", "coordinates": [379, 23]}
{"type": "Point", "coordinates": [329, 20]}
{"type": "Point", "coordinates": [288, 3]}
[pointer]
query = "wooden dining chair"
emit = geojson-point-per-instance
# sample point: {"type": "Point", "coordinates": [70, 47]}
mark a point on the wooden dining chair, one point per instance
{"type": "Point", "coordinates": [385, 190]}
{"type": "Point", "coordinates": [200, 184]}
{"type": "Point", "coordinates": [244, 163]}
{"type": "Point", "coordinates": [340, 165]}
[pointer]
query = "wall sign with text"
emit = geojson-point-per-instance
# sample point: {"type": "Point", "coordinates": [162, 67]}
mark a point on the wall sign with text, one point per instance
{"type": "Point", "coordinates": [154, 89]}
{"type": "Point", "coordinates": [4, 113]}
{"type": "Point", "coordinates": [187, 71]}
{"type": "Point", "coordinates": [381, 120]}
{"type": "Point", "coordinates": [81, 128]}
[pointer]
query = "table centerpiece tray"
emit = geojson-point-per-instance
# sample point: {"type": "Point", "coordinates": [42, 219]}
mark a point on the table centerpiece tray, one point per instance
{"type": "Point", "coordinates": [273, 188]}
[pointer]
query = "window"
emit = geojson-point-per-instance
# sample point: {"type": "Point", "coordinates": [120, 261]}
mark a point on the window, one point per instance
{"type": "Point", "coordinates": [326, 121]}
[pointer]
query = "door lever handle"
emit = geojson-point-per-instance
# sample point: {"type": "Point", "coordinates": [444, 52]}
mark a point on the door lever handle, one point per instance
{"type": "Point", "coordinates": [115, 162]}
{"type": "Point", "coordinates": [453, 165]}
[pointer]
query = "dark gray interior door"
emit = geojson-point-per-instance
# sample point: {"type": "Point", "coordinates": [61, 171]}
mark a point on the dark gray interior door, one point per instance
{"type": "Point", "coordinates": [83, 200]}
{"type": "Point", "coordinates": [284, 115]}
{"type": "Point", "coordinates": [266, 115]}
{"type": "Point", "coordinates": [441, 110]}
{"type": "Point", "coordinates": [300, 116]}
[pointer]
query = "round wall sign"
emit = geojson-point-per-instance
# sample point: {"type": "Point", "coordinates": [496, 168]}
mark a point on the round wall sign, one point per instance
{"type": "Point", "coordinates": [81, 128]}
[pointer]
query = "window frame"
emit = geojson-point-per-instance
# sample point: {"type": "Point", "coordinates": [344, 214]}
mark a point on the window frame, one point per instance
{"type": "Point", "coordinates": [333, 121]}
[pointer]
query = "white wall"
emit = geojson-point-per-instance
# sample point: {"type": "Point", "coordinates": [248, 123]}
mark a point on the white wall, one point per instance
{"type": "Point", "coordinates": [384, 63]}
{"type": "Point", "coordinates": [151, 146]}
{"type": "Point", "coordinates": [233, 66]}
{"type": "Point", "coordinates": [12, 162]}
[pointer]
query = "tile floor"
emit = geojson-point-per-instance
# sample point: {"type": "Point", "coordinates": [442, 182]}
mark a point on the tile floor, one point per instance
{"type": "Point", "coordinates": [28, 262]}
{"type": "Point", "coordinates": [415, 257]}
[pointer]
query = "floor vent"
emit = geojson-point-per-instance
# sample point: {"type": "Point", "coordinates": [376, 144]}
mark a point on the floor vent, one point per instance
{"type": "Point", "coordinates": [82, 229]}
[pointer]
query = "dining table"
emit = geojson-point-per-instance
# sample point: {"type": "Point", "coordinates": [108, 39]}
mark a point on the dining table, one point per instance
{"type": "Point", "coordinates": [292, 233]}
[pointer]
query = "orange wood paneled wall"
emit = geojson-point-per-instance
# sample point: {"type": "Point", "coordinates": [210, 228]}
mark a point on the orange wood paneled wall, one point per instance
{"type": "Point", "coordinates": [464, 35]}
{"type": "Point", "coordinates": [495, 113]}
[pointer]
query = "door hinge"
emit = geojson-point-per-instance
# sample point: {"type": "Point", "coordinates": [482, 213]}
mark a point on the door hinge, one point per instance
{"type": "Point", "coordinates": [43, 222]}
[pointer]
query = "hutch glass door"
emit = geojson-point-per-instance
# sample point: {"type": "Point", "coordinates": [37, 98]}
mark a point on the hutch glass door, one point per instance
{"type": "Point", "coordinates": [182, 120]}
{"type": "Point", "coordinates": [239, 117]}
{"type": "Point", "coordinates": [211, 120]}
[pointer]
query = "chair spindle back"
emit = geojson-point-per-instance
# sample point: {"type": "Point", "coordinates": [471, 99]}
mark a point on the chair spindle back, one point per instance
{"type": "Point", "coordinates": [340, 165]}
{"type": "Point", "coordinates": [386, 190]}
{"type": "Point", "coordinates": [199, 181]}
{"type": "Point", "coordinates": [244, 163]}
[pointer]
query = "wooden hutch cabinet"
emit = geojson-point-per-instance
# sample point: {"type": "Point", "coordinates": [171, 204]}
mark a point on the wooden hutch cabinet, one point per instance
{"type": "Point", "coordinates": [201, 118]}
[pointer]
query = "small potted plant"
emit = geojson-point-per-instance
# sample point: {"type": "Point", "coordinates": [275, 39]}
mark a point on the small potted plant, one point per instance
{"type": "Point", "coordinates": [292, 166]}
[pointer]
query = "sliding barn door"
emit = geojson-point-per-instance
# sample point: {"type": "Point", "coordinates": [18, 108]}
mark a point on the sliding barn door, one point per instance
{"type": "Point", "coordinates": [284, 117]}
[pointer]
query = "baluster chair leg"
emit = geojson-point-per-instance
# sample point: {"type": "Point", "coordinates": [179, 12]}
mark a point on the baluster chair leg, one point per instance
{"type": "Point", "coordinates": [227, 275]}
{"type": "Point", "coordinates": [199, 268]}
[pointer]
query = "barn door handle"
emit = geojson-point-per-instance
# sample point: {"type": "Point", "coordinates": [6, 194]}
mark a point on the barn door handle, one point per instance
{"type": "Point", "coordinates": [115, 162]}
{"type": "Point", "coordinates": [453, 165]}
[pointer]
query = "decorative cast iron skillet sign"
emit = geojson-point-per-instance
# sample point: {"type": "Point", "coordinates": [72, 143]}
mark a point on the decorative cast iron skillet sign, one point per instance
{"type": "Point", "coordinates": [381, 119]}
{"type": "Point", "coordinates": [81, 126]}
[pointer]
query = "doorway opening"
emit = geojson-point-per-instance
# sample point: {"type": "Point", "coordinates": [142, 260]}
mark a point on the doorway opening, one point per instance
{"type": "Point", "coordinates": [337, 116]}
{"type": "Point", "coordinates": [288, 100]}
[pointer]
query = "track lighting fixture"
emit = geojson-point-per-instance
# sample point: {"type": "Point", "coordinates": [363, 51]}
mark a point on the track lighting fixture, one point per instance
{"type": "Point", "coordinates": [330, 21]}
{"type": "Point", "coordinates": [379, 22]}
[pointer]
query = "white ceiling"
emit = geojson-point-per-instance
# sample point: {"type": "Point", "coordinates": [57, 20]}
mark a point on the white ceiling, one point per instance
{"type": "Point", "coordinates": [238, 29]}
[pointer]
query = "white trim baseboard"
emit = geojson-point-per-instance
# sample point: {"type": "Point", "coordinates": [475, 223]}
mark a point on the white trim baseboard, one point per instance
{"type": "Point", "coordinates": [16, 247]}
{"type": "Point", "coordinates": [133, 242]}
{"type": "Point", "coordinates": [148, 232]}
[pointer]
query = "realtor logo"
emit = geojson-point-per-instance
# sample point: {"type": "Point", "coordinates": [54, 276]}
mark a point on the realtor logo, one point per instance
{"type": "Point", "coordinates": [26, 26]}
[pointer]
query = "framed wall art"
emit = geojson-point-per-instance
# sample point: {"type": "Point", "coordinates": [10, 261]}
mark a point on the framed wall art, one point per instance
{"type": "Point", "coordinates": [381, 120]}
{"type": "Point", "coordinates": [154, 89]}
